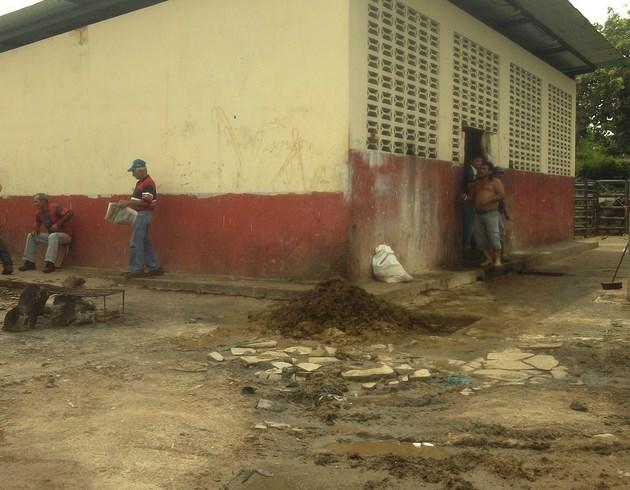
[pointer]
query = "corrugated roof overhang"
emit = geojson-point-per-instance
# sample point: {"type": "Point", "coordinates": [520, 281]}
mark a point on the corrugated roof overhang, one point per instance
{"type": "Point", "coordinates": [52, 17]}
{"type": "Point", "coordinates": [553, 30]}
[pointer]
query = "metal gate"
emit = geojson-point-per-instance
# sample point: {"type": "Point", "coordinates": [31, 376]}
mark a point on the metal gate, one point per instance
{"type": "Point", "coordinates": [601, 207]}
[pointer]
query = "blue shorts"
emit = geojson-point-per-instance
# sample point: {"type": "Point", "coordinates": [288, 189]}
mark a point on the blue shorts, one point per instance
{"type": "Point", "coordinates": [488, 229]}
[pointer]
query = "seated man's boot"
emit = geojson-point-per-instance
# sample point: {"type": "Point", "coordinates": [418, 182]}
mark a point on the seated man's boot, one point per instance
{"type": "Point", "coordinates": [49, 267]}
{"type": "Point", "coordinates": [27, 266]}
{"type": "Point", "coordinates": [7, 270]}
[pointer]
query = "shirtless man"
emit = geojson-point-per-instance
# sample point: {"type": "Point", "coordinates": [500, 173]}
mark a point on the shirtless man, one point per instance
{"type": "Point", "coordinates": [486, 192]}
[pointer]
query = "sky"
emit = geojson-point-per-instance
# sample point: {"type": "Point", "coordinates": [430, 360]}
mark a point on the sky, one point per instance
{"type": "Point", "coordinates": [597, 10]}
{"type": "Point", "coordinates": [593, 10]}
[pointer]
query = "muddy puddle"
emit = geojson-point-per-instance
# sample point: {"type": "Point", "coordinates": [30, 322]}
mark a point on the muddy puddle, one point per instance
{"type": "Point", "coordinates": [380, 448]}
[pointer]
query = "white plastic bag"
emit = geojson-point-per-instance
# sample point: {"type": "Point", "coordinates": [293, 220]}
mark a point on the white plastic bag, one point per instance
{"type": "Point", "coordinates": [386, 267]}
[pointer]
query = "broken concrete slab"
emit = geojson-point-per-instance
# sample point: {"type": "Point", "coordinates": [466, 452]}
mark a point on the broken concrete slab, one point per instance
{"type": "Point", "coordinates": [372, 374]}
{"type": "Point", "coordinates": [274, 354]}
{"type": "Point", "coordinates": [404, 369]}
{"type": "Point", "coordinates": [509, 354]}
{"type": "Point", "coordinates": [281, 365]}
{"type": "Point", "coordinates": [262, 344]}
{"type": "Point", "coordinates": [299, 349]}
{"type": "Point", "coordinates": [323, 360]}
{"type": "Point", "coordinates": [254, 360]}
{"type": "Point", "coordinates": [271, 405]}
{"type": "Point", "coordinates": [543, 362]}
{"type": "Point", "coordinates": [331, 351]}
{"type": "Point", "coordinates": [240, 351]}
{"type": "Point", "coordinates": [560, 372]}
{"type": "Point", "coordinates": [420, 374]}
{"type": "Point", "coordinates": [276, 425]}
{"type": "Point", "coordinates": [215, 356]}
{"type": "Point", "coordinates": [503, 375]}
{"type": "Point", "coordinates": [507, 364]}
{"type": "Point", "coordinates": [309, 367]}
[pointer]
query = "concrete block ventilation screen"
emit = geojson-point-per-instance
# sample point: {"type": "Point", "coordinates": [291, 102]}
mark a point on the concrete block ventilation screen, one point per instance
{"type": "Point", "coordinates": [560, 131]}
{"type": "Point", "coordinates": [403, 77]}
{"type": "Point", "coordinates": [525, 119]}
{"type": "Point", "coordinates": [475, 90]}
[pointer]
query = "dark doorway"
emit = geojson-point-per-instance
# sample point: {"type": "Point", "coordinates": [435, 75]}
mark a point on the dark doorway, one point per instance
{"type": "Point", "coordinates": [473, 143]}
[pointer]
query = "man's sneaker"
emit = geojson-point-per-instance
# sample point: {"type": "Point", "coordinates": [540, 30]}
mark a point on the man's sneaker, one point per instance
{"type": "Point", "coordinates": [8, 270]}
{"type": "Point", "coordinates": [135, 274]}
{"type": "Point", "coordinates": [27, 266]}
{"type": "Point", "coordinates": [156, 272]}
{"type": "Point", "coordinates": [49, 267]}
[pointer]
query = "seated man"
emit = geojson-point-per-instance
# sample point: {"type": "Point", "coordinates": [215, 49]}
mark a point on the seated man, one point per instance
{"type": "Point", "coordinates": [53, 218]}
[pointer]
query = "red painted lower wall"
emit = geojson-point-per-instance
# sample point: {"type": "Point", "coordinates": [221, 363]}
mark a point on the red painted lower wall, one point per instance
{"type": "Point", "coordinates": [411, 204]}
{"type": "Point", "coordinates": [288, 236]}
{"type": "Point", "coordinates": [414, 206]}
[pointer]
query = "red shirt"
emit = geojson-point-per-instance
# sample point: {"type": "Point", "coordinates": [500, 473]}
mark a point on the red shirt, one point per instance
{"type": "Point", "coordinates": [51, 216]}
{"type": "Point", "coordinates": [145, 191]}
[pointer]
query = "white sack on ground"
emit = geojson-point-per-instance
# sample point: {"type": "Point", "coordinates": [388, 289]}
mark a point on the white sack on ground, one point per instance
{"type": "Point", "coordinates": [386, 267]}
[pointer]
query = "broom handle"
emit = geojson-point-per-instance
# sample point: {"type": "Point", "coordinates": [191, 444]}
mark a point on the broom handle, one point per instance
{"type": "Point", "coordinates": [621, 260]}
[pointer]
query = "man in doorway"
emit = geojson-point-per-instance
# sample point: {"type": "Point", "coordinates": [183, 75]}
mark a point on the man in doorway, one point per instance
{"type": "Point", "coordinates": [470, 170]}
{"type": "Point", "coordinates": [143, 200]}
{"type": "Point", "coordinates": [486, 193]}
{"type": "Point", "coordinates": [53, 218]}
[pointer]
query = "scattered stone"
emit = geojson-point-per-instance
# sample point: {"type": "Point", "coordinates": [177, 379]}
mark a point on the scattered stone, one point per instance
{"type": "Point", "coordinates": [215, 356]}
{"type": "Point", "coordinates": [309, 367]}
{"type": "Point", "coordinates": [404, 379]}
{"type": "Point", "coordinates": [372, 374]}
{"type": "Point", "coordinates": [277, 425]}
{"type": "Point", "coordinates": [318, 352]}
{"type": "Point", "coordinates": [331, 351]}
{"type": "Point", "coordinates": [239, 351]}
{"type": "Point", "coordinates": [468, 368]}
{"type": "Point", "coordinates": [509, 354]}
{"type": "Point", "coordinates": [378, 347]}
{"type": "Point", "coordinates": [253, 360]}
{"type": "Point", "coordinates": [559, 372]}
{"type": "Point", "coordinates": [507, 364]}
{"type": "Point", "coordinates": [273, 354]}
{"type": "Point", "coordinates": [263, 344]}
{"type": "Point", "coordinates": [404, 369]}
{"type": "Point", "coordinates": [281, 365]}
{"type": "Point", "coordinates": [299, 349]}
{"type": "Point", "coordinates": [420, 374]}
{"type": "Point", "coordinates": [578, 406]}
{"type": "Point", "coordinates": [393, 383]}
{"type": "Point", "coordinates": [545, 345]}
{"type": "Point", "coordinates": [270, 374]}
{"type": "Point", "coordinates": [605, 436]}
{"type": "Point", "coordinates": [260, 427]}
{"type": "Point", "coordinates": [273, 406]}
{"type": "Point", "coordinates": [543, 362]}
{"type": "Point", "coordinates": [368, 386]}
{"type": "Point", "coordinates": [466, 392]}
{"type": "Point", "coordinates": [390, 348]}
{"type": "Point", "coordinates": [412, 343]}
{"type": "Point", "coordinates": [456, 362]}
{"type": "Point", "coordinates": [503, 375]}
{"type": "Point", "coordinates": [323, 360]}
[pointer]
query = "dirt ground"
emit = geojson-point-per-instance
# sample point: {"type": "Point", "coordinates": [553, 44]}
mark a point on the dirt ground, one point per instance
{"type": "Point", "coordinates": [137, 404]}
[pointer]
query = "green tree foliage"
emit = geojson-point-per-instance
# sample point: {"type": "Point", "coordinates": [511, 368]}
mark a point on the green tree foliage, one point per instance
{"type": "Point", "coordinates": [603, 110]}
